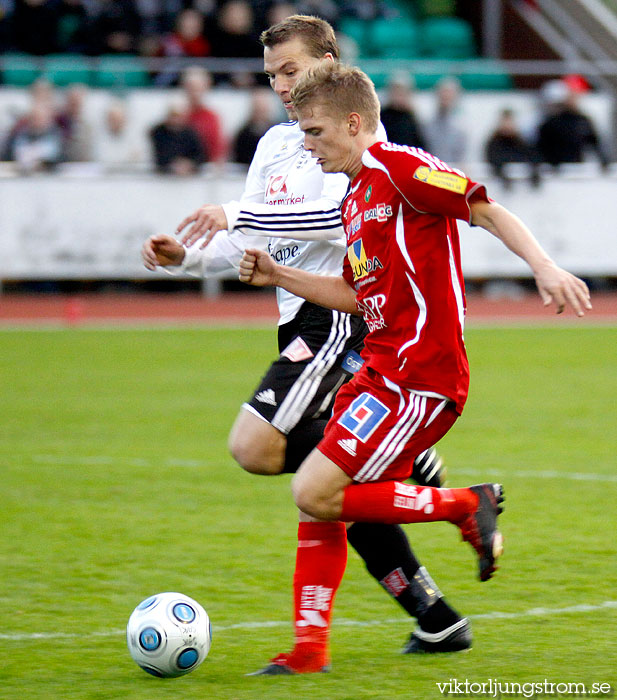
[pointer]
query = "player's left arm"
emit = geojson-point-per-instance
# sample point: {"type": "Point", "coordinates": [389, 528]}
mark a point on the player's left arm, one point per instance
{"type": "Point", "coordinates": [554, 283]}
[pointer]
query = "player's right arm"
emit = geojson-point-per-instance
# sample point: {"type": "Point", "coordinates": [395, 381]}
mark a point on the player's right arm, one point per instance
{"type": "Point", "coordinates": [259, 269]}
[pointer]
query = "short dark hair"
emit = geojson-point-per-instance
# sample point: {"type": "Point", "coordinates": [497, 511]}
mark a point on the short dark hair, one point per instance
{"type": "Point", "coordinates": [316, 33]}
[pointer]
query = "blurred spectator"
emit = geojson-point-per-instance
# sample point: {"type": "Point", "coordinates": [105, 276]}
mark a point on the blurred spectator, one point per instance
{"type": "Point", "coordinates": [115, 147]}
{"type": "Point", "coordinates": [444, 134]}
{"type": "Point", "coordinates": [42, 92]}
{"type": "Point", "coordinates": [196, 83]}
{"type": "Point", "coordinates": [73, 31]}
{"type": "Point", "coordinates": [235, 36]}
{"type": "Point", "coordinates": [263, 115]}
{"type": "Point", "coordinates": [397, 114]}
{"type": "Point", "coordinates": [566, 134]}
{"type": "Point", "coordinates": [177, 150]}
{"type": "Point", "coordinates": [326, 9]}
{"type": "Point", "coordinates": [76, 129]}
{"type": "Point", "coordinates": [37, 144]}
{"type": "Point", "coordinates": [279, 11]}
{"type": "Point", "coordinates": [188, 38]}
{"type": "Point", "coordinates": [506, 145]}
{"type": "Point", "coordinates": [366, 9]}
{"type": "Point", "coordinates": [116, 26]}
{"type": "Point", "coordinates": [34, 26]}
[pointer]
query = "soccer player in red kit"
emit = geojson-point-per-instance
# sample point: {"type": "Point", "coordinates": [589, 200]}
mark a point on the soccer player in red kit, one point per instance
{"type": "Point", "coordinates": [403, 274]}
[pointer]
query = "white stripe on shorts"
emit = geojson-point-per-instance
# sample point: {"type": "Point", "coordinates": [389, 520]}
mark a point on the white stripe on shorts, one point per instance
{"type": "Point", "coordinates": [305, 387]}
{"type": "Point", "coordinates": [394, 442]}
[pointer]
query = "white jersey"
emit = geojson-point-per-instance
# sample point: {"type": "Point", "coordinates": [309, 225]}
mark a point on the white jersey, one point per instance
{"type": "Point", "coordinates": [289, 200]}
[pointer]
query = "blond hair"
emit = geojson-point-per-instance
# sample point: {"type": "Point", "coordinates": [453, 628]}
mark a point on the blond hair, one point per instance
{"type": "Point", "coordinates": [343, 89]}
{"type": "Point", "coordinates": [317, 35]}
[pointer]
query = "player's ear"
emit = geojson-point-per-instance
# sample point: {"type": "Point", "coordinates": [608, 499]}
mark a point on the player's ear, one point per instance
{"type": "Point", "coordinates": [354, 122]}
{"type": "Point", "coordinates": [329, 57]}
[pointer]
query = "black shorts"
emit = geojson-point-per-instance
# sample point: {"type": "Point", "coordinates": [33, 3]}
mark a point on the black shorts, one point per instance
{"type": "Point", "coordinates": [319, 352]}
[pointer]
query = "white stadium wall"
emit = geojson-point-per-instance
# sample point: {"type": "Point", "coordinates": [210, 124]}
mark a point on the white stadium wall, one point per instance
{"type": "Point", "coordinates": [76, 227]}
{"type": "Point", "coordinates": [83, 224]}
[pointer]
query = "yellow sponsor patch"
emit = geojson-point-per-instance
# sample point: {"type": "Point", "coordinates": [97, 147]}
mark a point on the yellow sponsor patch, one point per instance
{"type": "Point", "coordinates": [442, 179]}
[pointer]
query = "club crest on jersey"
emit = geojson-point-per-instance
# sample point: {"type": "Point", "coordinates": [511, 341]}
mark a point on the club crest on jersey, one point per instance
{"type": "Point", "coordinates": [364, 416]}
{"type": "Point", "coordinates": [368, 193]}
{"type": "Point", "coordinates": [442, 179]}
{"type": "Point", "coordinates": [361, 266]}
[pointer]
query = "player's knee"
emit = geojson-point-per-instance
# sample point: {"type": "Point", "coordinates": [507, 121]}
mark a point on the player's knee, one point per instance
{"type": "Point", "coordinates": [252, 456]}
{"type": "Point", "coordinates": [315, 502]}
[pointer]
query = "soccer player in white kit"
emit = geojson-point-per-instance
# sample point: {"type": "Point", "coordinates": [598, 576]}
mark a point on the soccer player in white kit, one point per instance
{"type": "Point", "coordinates": [287, 198]}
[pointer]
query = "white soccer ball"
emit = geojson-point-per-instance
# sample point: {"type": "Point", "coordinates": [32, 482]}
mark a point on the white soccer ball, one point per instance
{"type": "Point", "coordinates": [169, 634]}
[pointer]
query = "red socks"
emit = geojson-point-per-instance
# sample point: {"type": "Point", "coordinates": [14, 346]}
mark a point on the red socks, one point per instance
{"type": "Point", "coordinates": [396, 502]}
{"type": "Point", "coordinates": [320, 565]}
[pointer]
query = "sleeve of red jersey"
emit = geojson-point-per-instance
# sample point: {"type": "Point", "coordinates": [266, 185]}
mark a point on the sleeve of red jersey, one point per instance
{"type": "Point", "coordinates": [429, 185]}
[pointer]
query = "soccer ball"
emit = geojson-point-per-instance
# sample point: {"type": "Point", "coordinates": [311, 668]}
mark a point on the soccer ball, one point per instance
{"type": "Point", "coordinates": [168, 635]}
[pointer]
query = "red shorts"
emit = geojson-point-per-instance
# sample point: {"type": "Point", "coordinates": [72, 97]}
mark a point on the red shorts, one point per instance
{"type": "Point", "coordinates": [377, 428]}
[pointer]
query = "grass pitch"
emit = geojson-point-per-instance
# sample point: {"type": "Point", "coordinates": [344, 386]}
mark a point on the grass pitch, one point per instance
{"type": "Point", "coordinates": [116, 484]}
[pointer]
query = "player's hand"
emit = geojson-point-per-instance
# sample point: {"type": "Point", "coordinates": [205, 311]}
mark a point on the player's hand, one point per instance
{"type": "Point", "coordinates": [561, 287]}
{"type": "Point", "coordinates": [257, 268]}
{"type": "Point", "coordinates": [161, 250]}
{"type": "Point", "coordinates": [206, 222]}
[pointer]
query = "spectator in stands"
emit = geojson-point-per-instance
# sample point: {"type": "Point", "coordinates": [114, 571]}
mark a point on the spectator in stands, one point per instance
{"type": "Point", "coordinates": [507, 145]}
{"type": "Point", "coordinates": [278, 11]}
{"type": "Point", "coordinates": [116, 147]}
{"type": "Point", "coordinates": [177, 150]}
{"type": "Point", "coordinates": [187, 40]}
{"type": "Point", "coordinates": [34, 26]}
{"type": "Point", "coordinates": [116, 26]}
{"type": "Point", "coordinates": [76, 129]}
{"type": "Point", "coordinates": [445, 137]}
{"type": "Point", "coordinates": [234, 36]}
{"type": "Point", "coordinates": [73, 31]}
{"type": "Point", "coordinates": [262, 116]}
{"type": "Point", "coordinates": [397, 114]}
{"type": "Point", "coordinates": [566, 135]}
{"type": "Point", "coordinates": [37, 145]}
{"type": "Point", "coordinates": [196, 83]}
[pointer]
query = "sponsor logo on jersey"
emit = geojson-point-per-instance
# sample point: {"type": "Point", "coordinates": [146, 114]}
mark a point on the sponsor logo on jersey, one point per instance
{"type": "Point", "coordinates": [371, 310]}
{"type": "Point", "coordinates": [266, 396]}
{"type": "Point", "coordinates": [354, 208]}
{"type": "Point", "coordinates": [442, 179]}
{"type": "Point", "coordinates": [350, 445]}
{"type": "Point", "coordinates": [408, 497]}
{"type": "Point", "coordinates": [297, 351]}
{"type": "Point", "coordinates": [354, 225]}
{"type": "Point", "coordinates": [381, 213]}
{"type": "Point", "coordinates": [277, 192]}
{"type": "Point", "coordinates": [368, 193]}
{"type": "Point", "coordinates": [361, 265]}
{"type": "Point", "coordinates": [285, 254]}
{"type": "Point", "coordinates": [364, 416]}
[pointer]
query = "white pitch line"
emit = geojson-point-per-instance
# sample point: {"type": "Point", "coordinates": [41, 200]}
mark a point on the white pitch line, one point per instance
{"type": "Point", "coordinates": [495, 615]}
{"type": "Point", "coordinates": [93, 460]}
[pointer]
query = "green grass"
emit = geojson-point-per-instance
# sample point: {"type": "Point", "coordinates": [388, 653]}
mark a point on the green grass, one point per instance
{"type": "Point", "coordinates": [116, 484]}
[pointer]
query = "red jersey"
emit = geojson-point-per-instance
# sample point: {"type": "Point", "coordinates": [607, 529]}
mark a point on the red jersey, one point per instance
{"type": "Point", "coordinates": [403, 260]}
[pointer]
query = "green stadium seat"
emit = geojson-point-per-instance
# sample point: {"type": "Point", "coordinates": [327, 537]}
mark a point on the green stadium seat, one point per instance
{"type": "Point", "coordinates": [18, 69]}
{"type": "Point", "coordinates": [356, 29]}
{"type": "Point", "coordinates": [447, 37]}
{"type": "Point", "coordinates": [433, 8]}
{"type": "Point", "coordinates": [121, 70]}
{"type": "Point", "coordinates": [67, 69]}
{"type": "Point", "coordinates": [394, 38]}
